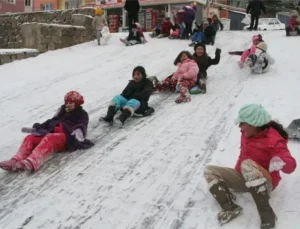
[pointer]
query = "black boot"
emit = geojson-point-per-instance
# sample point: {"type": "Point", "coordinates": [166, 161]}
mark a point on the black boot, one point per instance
{"type": "Point", "coordinates": [225, 198]}
{"type": "Point", "coordinates": [109, 118]}
{"type": "Point", "coordinates": [261, 197]}
{"type": "Point", "coordinates": [123, 117]}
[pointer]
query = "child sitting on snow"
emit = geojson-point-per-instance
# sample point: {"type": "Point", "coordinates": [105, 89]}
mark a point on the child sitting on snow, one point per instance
{"type": "Point", "coordinates": [204, 62]}
{"type": "Point", "coordinates": [256, 39]}
{"type": "Point", "coordinates": [133, 100]}
{"type": "Point", "coordinates": [183, 79]}
{"type": "Point", "coordinates": [143, 38]}
{"type": "Point", "coordinates": [260, 61]}
{"type": "Point", "coordinates": [65, 131]}
{"type": "Point", "coordinates": [165, 29]}
{"type": "Point", "coordinates": [134, 37]}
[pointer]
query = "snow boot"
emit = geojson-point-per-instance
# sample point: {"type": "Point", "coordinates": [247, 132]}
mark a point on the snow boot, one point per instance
{"type": "Point", "coordinates": [184, 96]}
{"type": "Point", "coordinates": [225, 198]}
{"type": "Point", "coordinates": [261, 197]}
{"type": "Point", "coordinates": [24, 165]}
{"type": "Point", "coordinates": [123, 117]}
{"type": "Point", "coordinates": [109, 118]}
{"type": "Point", "coordinates": [202, 83]}
{"type": "Point", "coordinates": [9, 165]}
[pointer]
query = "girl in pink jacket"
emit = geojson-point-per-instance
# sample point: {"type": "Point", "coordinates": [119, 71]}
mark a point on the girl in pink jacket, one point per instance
{"type": "Point", "coordinates": [263, 154]}
{"type": "Point", "coordinates": [256, 39]}
{"type": "Point", "coordinates": [183, 79]}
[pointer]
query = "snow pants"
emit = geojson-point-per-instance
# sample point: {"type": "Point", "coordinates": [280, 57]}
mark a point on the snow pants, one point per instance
{"type": "Point", "coordinates": [170, 85]}
{"type": "Point", "coordinates": [198, 37]}
{"type": "Point", "coordinates": [245, 55]}
{"type": "Point", "coordinates": [99, 35]}
{"type": "Point", "coordinates": [122, 103]}
{"type": "Point", "coordinates": [251, 175]}
{"type": "Point", "coordinates": [37, 149]}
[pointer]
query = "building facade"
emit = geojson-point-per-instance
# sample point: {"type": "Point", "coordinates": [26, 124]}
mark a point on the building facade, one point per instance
{"type": "Point", "coordinates": [12, 6]}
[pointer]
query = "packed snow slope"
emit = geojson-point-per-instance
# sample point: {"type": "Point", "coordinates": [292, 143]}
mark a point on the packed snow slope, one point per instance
{"type": "Point", "coordinates": [150, 173]}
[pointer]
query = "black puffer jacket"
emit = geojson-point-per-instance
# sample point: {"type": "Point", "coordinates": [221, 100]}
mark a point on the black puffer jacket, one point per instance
{"type": "Point", "coordinates": [132, 6]}
{"type": "Point", "coordinates": [255, 7]}
{"type": "Point", "coordinates": [140, 91]}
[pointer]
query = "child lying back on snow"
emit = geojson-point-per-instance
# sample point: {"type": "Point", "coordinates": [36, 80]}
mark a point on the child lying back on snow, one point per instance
{"type": "Point", "coordinates": [260, 61]}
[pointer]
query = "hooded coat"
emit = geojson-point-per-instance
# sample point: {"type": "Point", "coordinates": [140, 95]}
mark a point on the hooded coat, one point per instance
{"type": "Point", "coordinates": [140, 91]}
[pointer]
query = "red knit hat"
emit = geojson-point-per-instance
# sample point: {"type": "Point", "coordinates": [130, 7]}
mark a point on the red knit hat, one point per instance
{"type": "Point", "coordinates": [74, 96]}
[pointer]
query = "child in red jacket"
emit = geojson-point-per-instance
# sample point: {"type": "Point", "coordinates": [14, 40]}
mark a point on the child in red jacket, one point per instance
{"type": "Point", "coordinates": [263, 154]}
{"type": "Point", "coordinates": [293, 27]}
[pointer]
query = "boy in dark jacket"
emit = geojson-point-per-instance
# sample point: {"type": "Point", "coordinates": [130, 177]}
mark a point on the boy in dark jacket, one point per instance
{"type": "Point", "coordinates": [204, 62]}
{"type": "Point", "coordinates": [133, 100]}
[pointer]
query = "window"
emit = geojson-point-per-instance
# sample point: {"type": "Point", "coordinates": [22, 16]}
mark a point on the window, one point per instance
{"type": "Point", "coordinates": [47, 6]}
{"type": "Point", "coordinates": [70, 4]}
{"type": "Point", "coordinates": [11, 1]}
{"type": "Point", "coordinates": [27, 2]}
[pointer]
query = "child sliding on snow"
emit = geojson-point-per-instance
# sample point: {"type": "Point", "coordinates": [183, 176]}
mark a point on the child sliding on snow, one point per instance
{"type": "Point", "coordinates": [65, 131]}
{"type": "Point", "coordinates": [133, 100]}
{"type": "Point", "coordinates": [134, 37]}
{"type": "Point", "coordinates": [183, 79]}
{"type": "Point", "coordinates": [204, 62]}
{"type": "Point", "coordinates": [263, 154]}
{"type": "Point", "coordinates": [256, 39]}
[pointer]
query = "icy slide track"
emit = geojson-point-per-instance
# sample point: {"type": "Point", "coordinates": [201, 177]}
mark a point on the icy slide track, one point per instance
{"type": "Point", "coordinates": [148, 174]}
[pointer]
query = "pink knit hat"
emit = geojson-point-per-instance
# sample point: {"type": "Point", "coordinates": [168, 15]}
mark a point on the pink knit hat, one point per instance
{"type": "Point", "coordinates": [257, 37]}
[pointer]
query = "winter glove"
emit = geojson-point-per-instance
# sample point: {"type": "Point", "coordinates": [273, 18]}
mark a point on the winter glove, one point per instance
{"type": "Point", "coordinates": [276, 164]}
{"type": "Point", "coordinates": [78, 135]}
{"type": "Point", "coordinates": [37, 126]}
{"type": "Point", "coordinates": [218, 51]}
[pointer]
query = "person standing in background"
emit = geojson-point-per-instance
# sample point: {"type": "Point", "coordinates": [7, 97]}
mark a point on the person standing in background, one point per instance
{"type": "Point", "coordinates": [132, 7]}
{"type": "Point", "coordinates": [254, 8]}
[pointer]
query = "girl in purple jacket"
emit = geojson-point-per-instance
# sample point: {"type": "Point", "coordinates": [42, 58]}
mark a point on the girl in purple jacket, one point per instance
{"type": "Point", "coordinates": [65, 131]}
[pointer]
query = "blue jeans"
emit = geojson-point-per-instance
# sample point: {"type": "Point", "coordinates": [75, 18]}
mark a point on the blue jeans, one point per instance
{"type": "Point", "coordinates": [121, 102]}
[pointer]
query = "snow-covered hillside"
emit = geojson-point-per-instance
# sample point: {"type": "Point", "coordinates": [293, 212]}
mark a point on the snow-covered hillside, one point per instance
{"type": "Point", "coordinates": [150, 173]}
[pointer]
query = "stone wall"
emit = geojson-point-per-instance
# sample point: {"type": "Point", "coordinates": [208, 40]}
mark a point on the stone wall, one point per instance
{"type": "Point", "coordinates": [44, 37]}
{"type": "Point", "coordinates": [10, 25]}
{"type": "Point", "coordinates": [10, 56]}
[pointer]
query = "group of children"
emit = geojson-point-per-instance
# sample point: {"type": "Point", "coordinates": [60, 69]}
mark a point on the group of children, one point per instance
{"type": "Point", "coordinates": [256, 171]}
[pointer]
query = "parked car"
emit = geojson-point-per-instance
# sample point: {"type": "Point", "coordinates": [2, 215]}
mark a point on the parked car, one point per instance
{"type": "Point", "coordinates": [269, 24]}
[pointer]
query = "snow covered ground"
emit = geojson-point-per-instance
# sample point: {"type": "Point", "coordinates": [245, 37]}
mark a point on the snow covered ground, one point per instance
{"type": "Point", "coordinates": [148, 174]}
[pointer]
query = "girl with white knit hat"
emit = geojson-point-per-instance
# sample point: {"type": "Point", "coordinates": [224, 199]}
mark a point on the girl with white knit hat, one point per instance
{"type": "Point", "coordinates": [263, 154]}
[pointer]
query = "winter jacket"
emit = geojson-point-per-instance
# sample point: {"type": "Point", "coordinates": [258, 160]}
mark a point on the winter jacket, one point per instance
{"type": "Point", "coordinates": [188, 70]}
{"type": "Point", "coordinates": [179, 17]}
{"type": "Point", "coordinates": [217, 25]}
{"type": "Point", "coordinates": [260, 61]}
{"type": "Point", "coordinates": [140, 91]}
{"type": "Point", "coordinates": [99, 22]}
{"type": "Point", "coordinates": [70, 121]}
{"type": "Point", "coordinates": [189, 15]}
{"type": "Point", "coordinates": [166, 26]}
{"type": "Point", "coordinates": [206, 61]}
{"type": "Point", "coordinates": [293, 23]}
{"type": "Point", "coordinates": [134, 35]}
{"type": "Point", "coordinates": [262, 147]}
{"type": "Point", "coordinates": [255, 7]}
{"type": "Point", "coordinates": [132, 6]}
